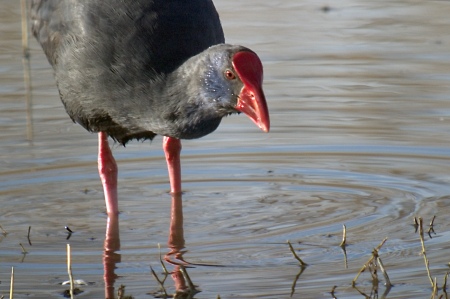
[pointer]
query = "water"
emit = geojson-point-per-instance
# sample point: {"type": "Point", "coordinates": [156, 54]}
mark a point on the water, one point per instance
{"type": "Point", "coordinates": [358, 94]}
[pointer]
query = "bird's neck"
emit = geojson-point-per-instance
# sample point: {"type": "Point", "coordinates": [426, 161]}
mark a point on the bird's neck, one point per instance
{"type": "Point", "coordinates": [186, 109]}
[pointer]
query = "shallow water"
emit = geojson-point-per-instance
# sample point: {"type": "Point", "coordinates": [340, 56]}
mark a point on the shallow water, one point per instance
{"type": "Point", "coordinates": [358, 93]}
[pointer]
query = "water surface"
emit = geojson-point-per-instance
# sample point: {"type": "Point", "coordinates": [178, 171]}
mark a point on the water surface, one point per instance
{"type": "Point", "coordinates": [358, 93]}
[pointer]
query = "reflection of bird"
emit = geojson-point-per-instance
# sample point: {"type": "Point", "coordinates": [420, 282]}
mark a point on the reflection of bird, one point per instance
{"type": "Point", "coordinates": [135, 69]}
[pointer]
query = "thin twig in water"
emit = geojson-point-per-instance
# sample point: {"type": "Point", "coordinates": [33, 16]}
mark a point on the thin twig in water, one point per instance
{"type": "Point", "coordinates": [416, 224]}
{"type": "Point", "coordinates": [161, 283]}
{"type": "Point", "coordinates": [121, 292]}
{"type": "Point", "coordinates": [363, 268]}
{"type": "Point", "coordinates": [431, 228]}
{"type": "Point", "coordinates": [332, 292]}
{"type": "Point", "coordinates": [432, 221]}
{"type": "Point", "coordinates": [344, 244]}
{"type": "Point", "coordinates": [69, 270]}
{"type": "Point", "coordinates": [161, 261]}
{"type": "Point", "coordinates": [28, 236]}
{"type": "Point", "coordinates": [302, 263]}
{"type": "Point", "coordinates": [369, 262]}
{"type": "Point", "coordinates": [344, 237]}
{"type": "Point", "coordinates": [294, 283]}
{"type": "Point", "coordinates": [23, 248]}
{"type": "Point", "coordinates": [422, 241]}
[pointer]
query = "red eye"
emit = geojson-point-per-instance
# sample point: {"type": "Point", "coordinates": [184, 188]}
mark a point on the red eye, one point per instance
{"type": "Point", "coordinates": [230, 75]}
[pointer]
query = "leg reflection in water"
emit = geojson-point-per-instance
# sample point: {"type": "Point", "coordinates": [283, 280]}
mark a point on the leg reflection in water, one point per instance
{"type": "Point", "coordinates": [110, 255]}
{"type": "Point", "coordinates": [183, 285]}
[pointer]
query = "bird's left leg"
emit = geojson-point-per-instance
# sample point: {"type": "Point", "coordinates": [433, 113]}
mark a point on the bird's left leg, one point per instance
{"type": "Point", "coordinates": [172, 149]}
{"type": "Point", "coordinates": [107, 168]}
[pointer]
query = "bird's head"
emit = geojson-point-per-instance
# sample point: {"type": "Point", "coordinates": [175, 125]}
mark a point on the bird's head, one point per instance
{"type": "Point", "coordinates": [234, 82]}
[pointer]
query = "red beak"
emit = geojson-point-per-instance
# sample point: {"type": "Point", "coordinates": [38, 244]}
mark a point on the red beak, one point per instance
{"type": "Point", "coordinates": [251, 99]}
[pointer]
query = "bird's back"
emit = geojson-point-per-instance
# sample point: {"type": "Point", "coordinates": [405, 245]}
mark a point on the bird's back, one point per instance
{"type": "Point", "coordinates": [101, 50]}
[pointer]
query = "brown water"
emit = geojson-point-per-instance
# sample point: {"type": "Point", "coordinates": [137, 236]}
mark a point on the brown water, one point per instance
{"type": "Point", "coordinates": [359, 96]}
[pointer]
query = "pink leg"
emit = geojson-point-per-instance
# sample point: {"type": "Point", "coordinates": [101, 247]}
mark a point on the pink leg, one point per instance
{"type": "Point", "coordinates": [107, 168]}
{"type": "Point", "coordinates": [172, 149]}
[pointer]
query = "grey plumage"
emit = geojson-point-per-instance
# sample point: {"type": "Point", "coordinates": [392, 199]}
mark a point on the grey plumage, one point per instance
{"type": "Point", "coordinates": [138, 68]}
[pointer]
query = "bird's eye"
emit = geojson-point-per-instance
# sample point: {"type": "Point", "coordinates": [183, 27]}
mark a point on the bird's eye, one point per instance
{"type": "Point", "coordinates": [230, 75]}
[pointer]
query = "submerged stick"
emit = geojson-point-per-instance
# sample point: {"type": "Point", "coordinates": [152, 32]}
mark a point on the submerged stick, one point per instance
{"type": "Point", "coordinates": [69, 270]}
{"type": "Point", "coordinates": [302, 263]}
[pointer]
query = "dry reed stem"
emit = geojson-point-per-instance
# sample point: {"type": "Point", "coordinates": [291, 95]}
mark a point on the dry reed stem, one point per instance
{"type": "Point", "coordinates": [161, 283]}
{"type": "Point", "coordinates": [344, 244]}
{"type": "Point", "coordinates": [435, 288]}
{"type": "Point", "coordinates": [187, 278]}
{"type": "Point", "coordinates": [11, 286]}
{"type": "Point", "coordinates": [161, 261]}
{"type": "Point", "coordinates": [344, 237]}
{"type": "Point", "coordinates": [369, 262]}
{"type": "Point", "coordinates": [26, 68]}
{"type": "Point", "coordinates": [69, 270]}
{"type": "Point", "coordinates": [383, 270]}
{"type": "Point", "coordinates": [416, 224]}
{"type": "Point", "coordinates": [121, 292]}
{"type": "Point", "coordinates": [302, 263]}
{"type": "Point", "coordinates": [422, 241]}
{"type": "Point", "coordinates": [444, 285]}
{"type": "Point", "coordinates": [4, 232]}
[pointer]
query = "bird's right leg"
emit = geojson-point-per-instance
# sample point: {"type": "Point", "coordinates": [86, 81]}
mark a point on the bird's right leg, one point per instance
{"type": "Point", "coordinates": [107, 168]}
{"type": "Point", "coordinates": [172, 149]}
